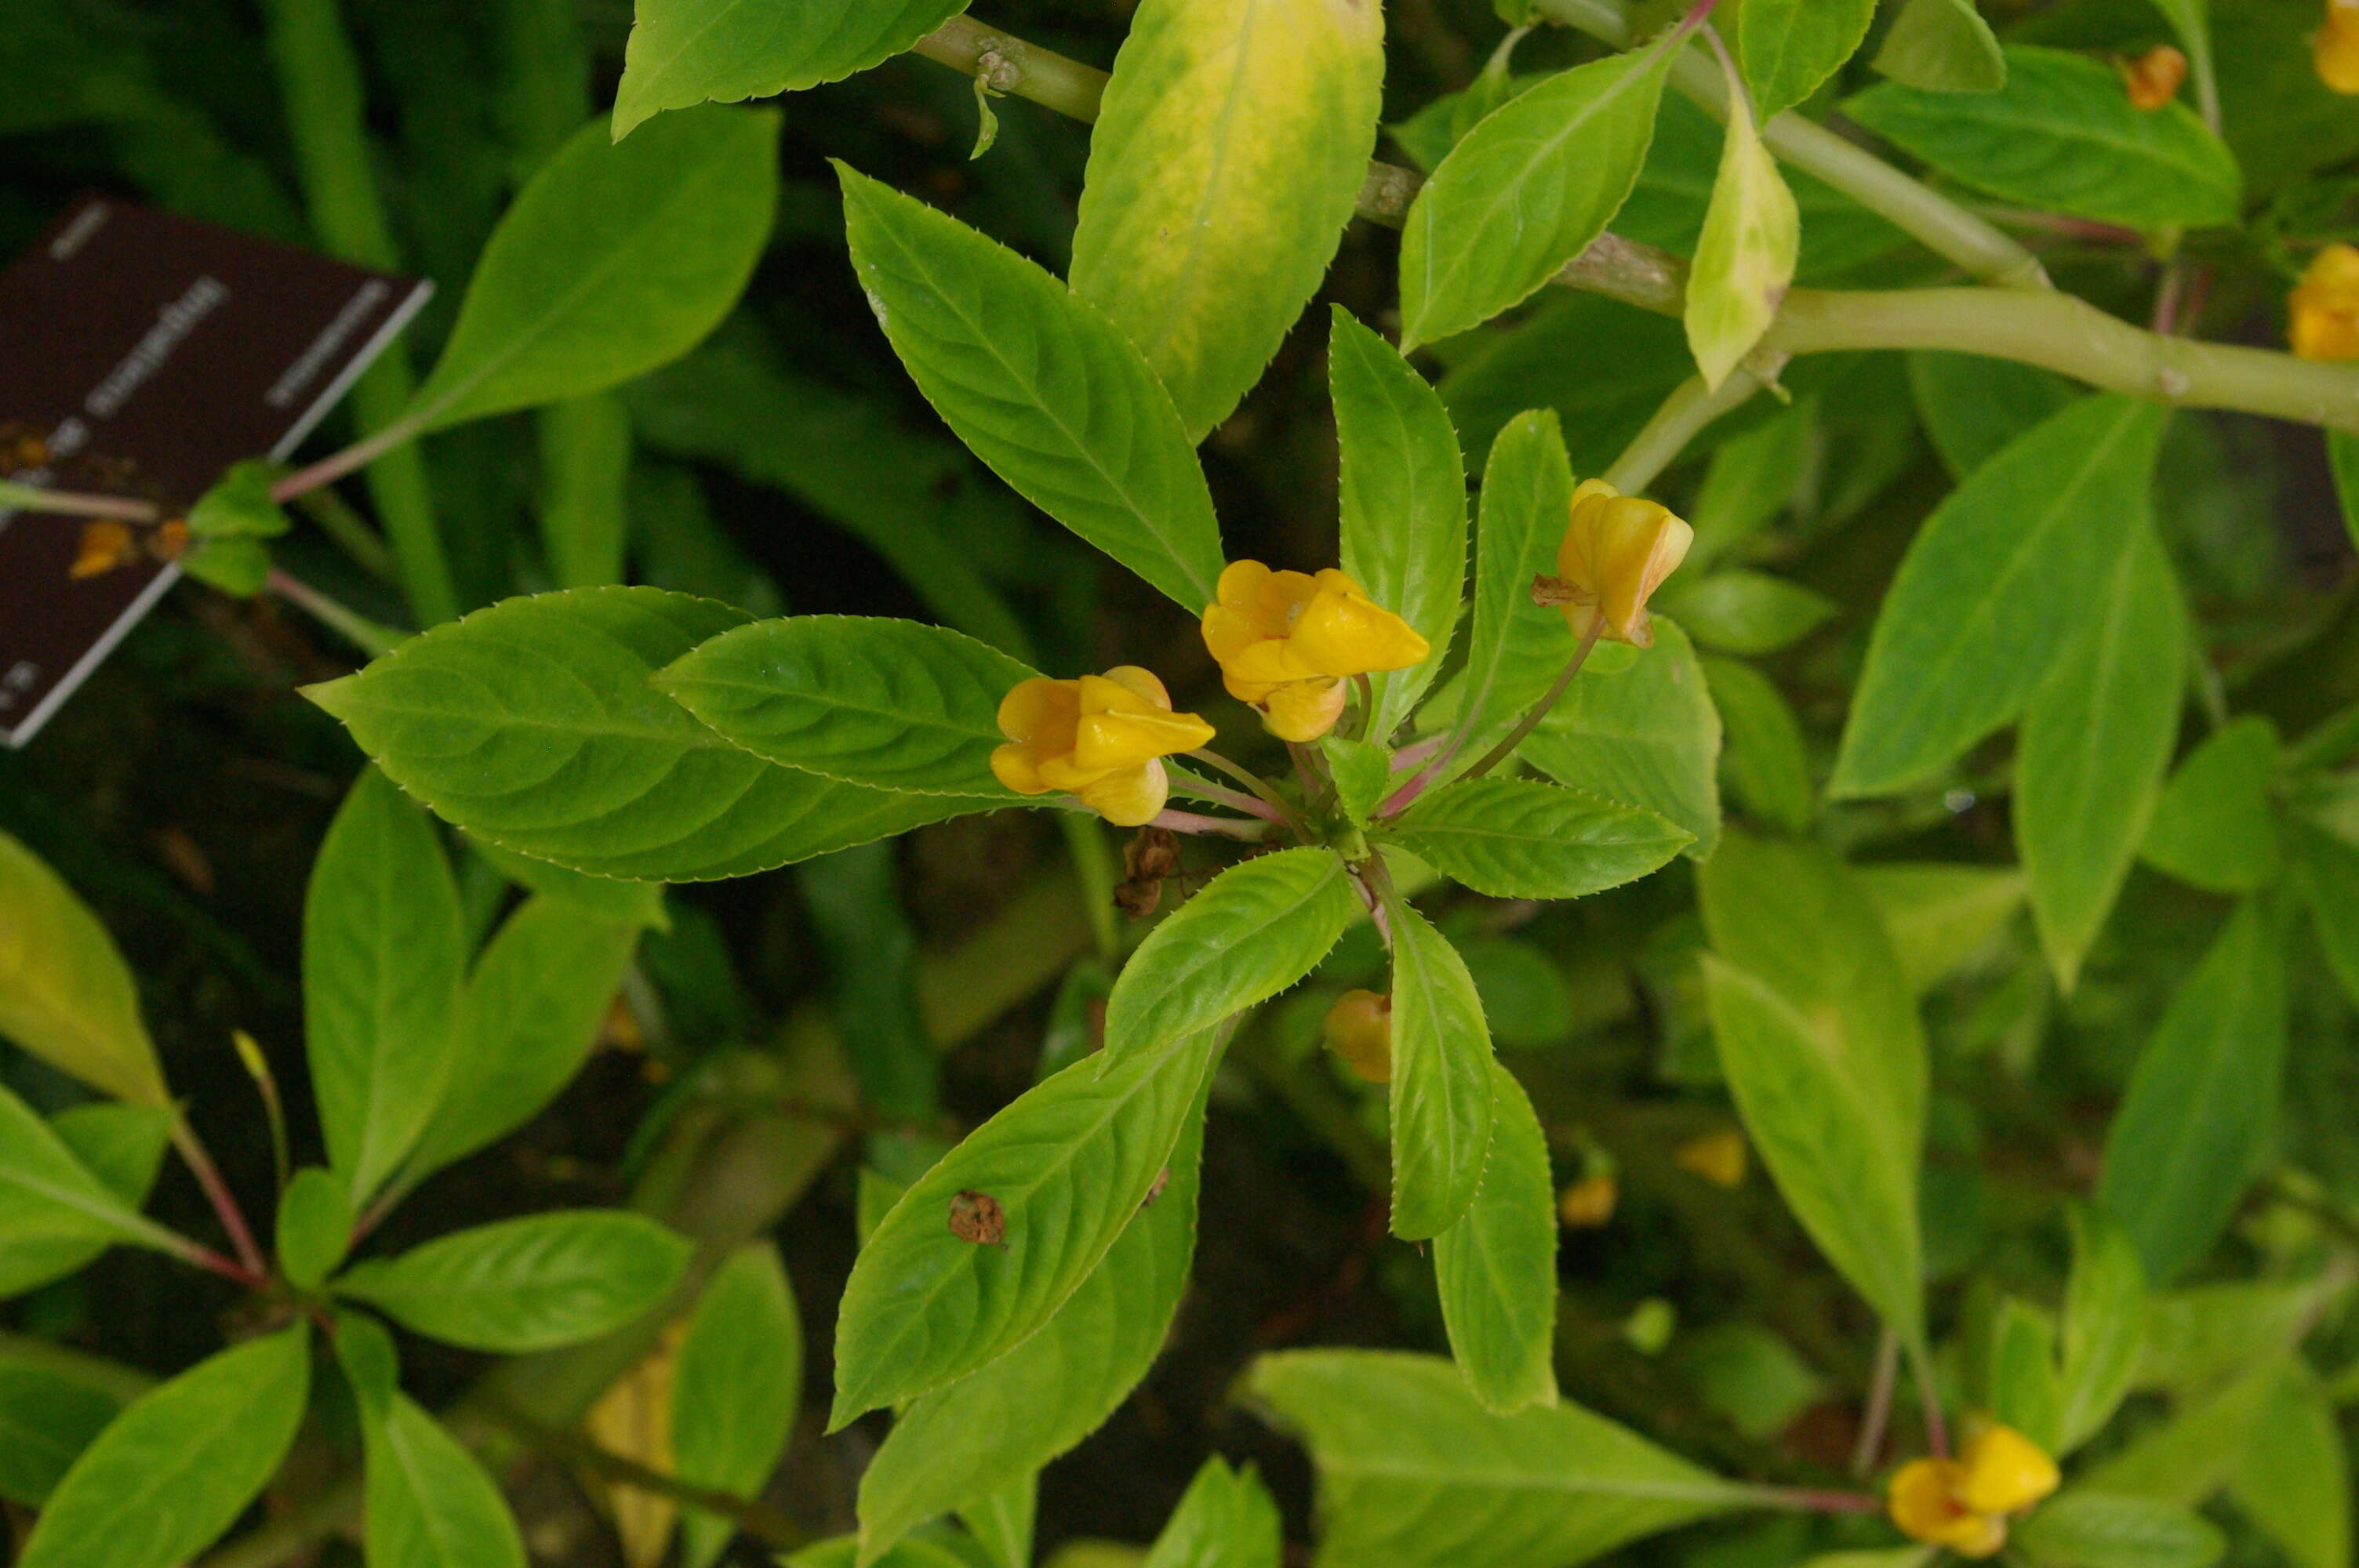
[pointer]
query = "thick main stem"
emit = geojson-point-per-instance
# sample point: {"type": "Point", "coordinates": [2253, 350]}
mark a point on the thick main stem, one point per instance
{"type": "Point", "coordinates": [1690, 406]}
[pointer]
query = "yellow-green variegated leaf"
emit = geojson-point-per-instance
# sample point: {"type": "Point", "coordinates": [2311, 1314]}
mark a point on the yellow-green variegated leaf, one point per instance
{"type": "Point", "coordinates": [66, 994]}
{"type": "Point", "coordinates": [1745, 259]}
{"type": "Point", "coordinates": [1227, 160]}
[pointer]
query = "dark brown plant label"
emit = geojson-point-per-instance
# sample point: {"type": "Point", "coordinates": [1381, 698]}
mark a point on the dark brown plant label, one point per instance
{"type": "Point", "coordinates": [977, 1218]}
{"type": "Point", "coordinates": [140, 355]}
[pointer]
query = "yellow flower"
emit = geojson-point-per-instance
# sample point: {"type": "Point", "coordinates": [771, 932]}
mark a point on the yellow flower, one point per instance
{"type": "Point", "coordinates": [1359, 1028]}
{"type": "Point", "coordinates": [2154, 77]}
{"type": "Point", "coordinates": [1923, 1502]}
{"type": "Point", "coordinates": [1286, 642]}
{"type": "Point", "coordinates": [2334, 48]}
{"type": "Point", "coordinates": [1101, 738]}
{"type": "Point", "coordinates": [1617, 550]}
{"type": "Point", "coordinates": [1963, 1503]}
{"type": "Point", "coordinates": [1718, 1157]}
{"type": "Point", "coordinates": [1588, 1204]}
{"type": "Point", "coordinates": [2005, 1471]}
{"type": "Point", "coordinates": [2325, 308]}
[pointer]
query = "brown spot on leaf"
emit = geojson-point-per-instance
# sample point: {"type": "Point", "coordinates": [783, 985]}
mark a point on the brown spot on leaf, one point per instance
{"type": "Point", "coordinates": [977, 1218]}
{"type": "Point", "coordinates": [1162, 1180]}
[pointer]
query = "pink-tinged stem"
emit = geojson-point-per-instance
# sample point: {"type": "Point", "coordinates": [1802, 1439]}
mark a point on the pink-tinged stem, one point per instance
{"type": "Point", "coordinates": [1812, 1499]}
{"type": "Point", "coordinates": [71, 504]}
{"type": "Point", "coordinates": [1222, 827]}
{"type": "Point", "coordinates": [1928, 1392]}
{"type": "Point", "coordinates": [1879, 1405]}
{"type": "Point", "coordinates": [1237, 801]}
{"type": "Point", "coordinates": [359, 455]}
{"type": "Point", "coordinates": [1409, 757]}
{"type": "Point", "coordinates": [224, 1202]}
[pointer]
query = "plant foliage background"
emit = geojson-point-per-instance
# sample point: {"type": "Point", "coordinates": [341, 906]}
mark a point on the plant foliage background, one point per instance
{"type": "Point", "coordinates": [682, 1107]}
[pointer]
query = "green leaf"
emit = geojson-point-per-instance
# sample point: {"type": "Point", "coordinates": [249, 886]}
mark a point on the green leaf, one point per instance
{"type": "Point", "coordinates": [2326, 873]}
{"type": "Point", "coordinates": [2062, 136]}
{"type": "Point", "coordinates": [1940, 917]}
{"type": "Point", "coordinates": [1001, 1523]}
{"type": "Point", "coordinates": [2025, 1390]}
{"type": "Point", "coordinates": [1363, 773]}
{"type": "Point", "coordinates": [1414, 1474]}
{"type": "Point", "coordinates": [239, 505]}
{"type": "Point", "coordinates": [1749, 1374]}
{"type": "Point", "coordinates": [2295, 1479]}
{"type": "Point", "coordinates": [239, 567]}
{"type": "Point", "coordinates": [1441, 1097]}
{"type": "Point", "coordinates": [1647, 736]}
{"type": "Point", "coordinates": [2090, 757]}
{"type": "Point", "coordinates": [1789, 46]}
{"type": "Point", "coordinates": [1497, 1266]}
{"type": "Point", "coordinates": [527, 1284]}
{"type": "Point", "coordinates": [1068, 1162]}
{"type": "Point", "coordinates": [123, 1146]}
{"type": "Point", "coordinates": [382, 952]}
{"type": "Point", "coordinates": [1747, 613]}
{"type": "Point", "coordinates": [1524, 191]}
{"type": "Point", "coordinates": [1516, 647]}
{"type": "Point", "coordinates": [315, 1226]}
{"type": "Point", "coordinates": [1542, 361]}
{"type": "Point", "coordinates": [1040, 385]}
{"type": "Point", "coordinates": [1525, 995]}
{"type": "Point", "coordinates": [2104, 1329]}
{"type": "Point", "coordinates": [865, 699]}
{"type": "Point", "coordinates": [527, 1019]}
{"type": "Point", "coordinates": [47, 1418]}
{"type": "Point", "coordinates": [735, 1384]}
{"type": "Point", "coordinates": [1522, 838]}
{"type": "Point", "coordinates": [2214, 827]}
{"type": "Point", "coordinates": [963, 1443]}
{"type": "Point", "coordinates": [1819, 1037]}
{"type": "Point", "coordinates": [2093, 1530]}
{"type": "Point", "coordinates": [2342, 453]}
{"type": "Point", "coordinates": [176, 1468]}
{"type": "Point", "coordinates": [611, 261]}
{"type": "Point", "coordinates": [1745, 259]}
{"type": "Point", "coordinates": [1763, 761]}
{"type": "Point", "coordinates": [1227, 1517]}
{"type": "Point", "coordinates": [1226, 158]}
{"type": "Point", "coordinates": [1943, 46]}
{"type": "Point", "coordinates": [2191, 1129]}
{"type": "Point", "coordinates": [66, 994]}
{"type": "Point", "coordinates": [2201, 1336]}
{"type": "Point", "coordinates": [689, 51]}
{"type": "Point", "coordinates": [1404, 502]}
{"type": "Point", "coordinates": [639, 906]}
{"type": "Point", "coordinates": [1995, 588]}
{"type": "Point", "coordinates": [55, 1213]}
{"type": "Point", "coordinates": [531, 725]}
{"type": "Point", "coordinates": [427, 1502]}
{"type": "Point", "coordinates": [1254, 930]}
{"type": "Point", "coordinates": [2199, 1449]}
{"type": "Point", "coordinates": [1971, 407]}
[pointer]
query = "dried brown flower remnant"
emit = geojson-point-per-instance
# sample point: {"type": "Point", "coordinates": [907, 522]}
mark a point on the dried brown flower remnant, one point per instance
{"type": "Point", "coordinates": [107, 544]}
{"type": "Point", "coordinates": [977, 1218]}
{"type": "Point", "coordinates": [1150, 855]}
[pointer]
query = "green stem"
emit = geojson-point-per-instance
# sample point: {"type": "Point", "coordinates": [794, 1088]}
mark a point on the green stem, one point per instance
{"type": "Point", "coordinates": [2060, 332]}
{"type": "Point", "coordinates": [217, 1193]}
{"type": "Point", "coordinates": [1094, 863]}
{"type": "Point", "coordinates": [1540, 710]}
{"type": "Point", "coordinates": [1008, 65]}
{"type": "Point", "coordinates": [351, 532]}
{"type": "Point", "coordinates": [1939, 223]}
{"type": "Point", "coordinates": [770, 1526]}
{"type": "Point", "coordinates": [1261, 787]}
{"type": "Point", "coordinates": [67, 503]}
{"type": "Point", "coordinates": [319, 81]}
{"type": "Point", "coordinates": [1690, 406]}
{"type": "Point", "coordinates": [358, 630]}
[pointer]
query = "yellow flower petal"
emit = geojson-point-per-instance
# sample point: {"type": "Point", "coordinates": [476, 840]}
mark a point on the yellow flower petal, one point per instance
{"type": "Point", "coordinates": [1303, 710]}
{"type": "Point", "coordinates": [2325, 309]}
{"type": "Point", "coordinates": [1040, 710]}
{"type": "Point", "coordinates": [2335, 47]}
{"type": "Point", "coordinates": [2005, 1472]}
{"type": "Point", "coordinates": [1129, 798]}
{"type": "Point", "coordinates": [1617, 550]}
{"type": "Point", "coordinates": [1270, 628]}
{"type": "Point", "coordinates": [1359, 1029]}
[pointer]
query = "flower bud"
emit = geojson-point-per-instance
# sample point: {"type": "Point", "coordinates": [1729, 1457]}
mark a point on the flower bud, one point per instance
{"type": "Point", "coordinates": [1101, 738]}
{"type": "Point", "coordinates": [2334, 48]}
{"type": "Point", "coordinates": [2005, 1472]}
{"type": "Point", "coordinates": [1588, 1204]}
{"type": "Point", "coordinates": [2154, 78]}
{"type": "Point", "coordinates": [2325, 309]}
{"type": "Point", "coordinates": [1286, 642]}
{"type": "Point", "coordinates": [1923, 1502]}
{"type": "Point", "coordinates": [1617, 550]}
{"type": "Point", "coordinates": [1359, 1029]}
